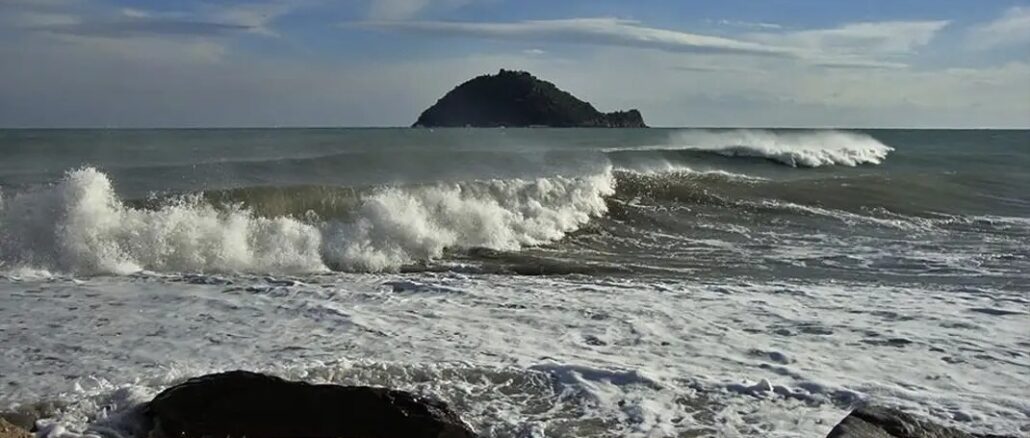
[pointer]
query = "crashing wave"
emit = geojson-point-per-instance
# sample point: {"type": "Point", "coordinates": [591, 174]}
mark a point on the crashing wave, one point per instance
{"type": "Point", "coordinates": [796, 149]}
{"type": "Point", "coordinates": [80, 225]}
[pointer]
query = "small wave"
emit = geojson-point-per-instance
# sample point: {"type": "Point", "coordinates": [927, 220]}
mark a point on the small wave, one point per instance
{"type": "Point", "coordinates": [679, 186]}
{"type": "Point", "coordinates": [795, 149]}
{"type": "Point", "coordinates": [896, 221]}
{"type": "Point", "coordinates": [79, 225]}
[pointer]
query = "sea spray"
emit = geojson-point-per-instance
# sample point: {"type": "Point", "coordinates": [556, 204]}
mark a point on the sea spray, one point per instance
{"type": "Point", "coordinates": [79, 225]}
{"type": "Point", "coordinates": [796, 149]}
{"type": "Point", "coordinates": [398, 226]}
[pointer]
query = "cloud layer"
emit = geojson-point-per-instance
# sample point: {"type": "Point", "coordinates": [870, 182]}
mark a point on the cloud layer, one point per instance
{"type": "Point", "coordinates": [599, 31]}
{"type": "Point", "coordinates": [860, 45]}
{"type": "Point", "coordinates": [1012, 28]}
{"type": "Point", "coordinates": [280, 63]}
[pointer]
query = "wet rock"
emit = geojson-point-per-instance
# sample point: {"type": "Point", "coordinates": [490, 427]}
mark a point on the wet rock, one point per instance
{"type": "Point", "coordinates": [8, 430]}
{"type": "Point", "coordinates": [25, 416]}
{"type": "Point", "coordinates": [240, 403]}
{"type": "Point", "coordinates": [892, 342]}
{"type": "Point", "coordinates": [878, 422]}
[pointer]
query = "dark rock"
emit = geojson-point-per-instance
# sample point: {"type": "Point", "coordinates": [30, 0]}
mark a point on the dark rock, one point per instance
{"type": "Point", "coordinates": [11, 420]}
{"type": "Point", "coordinates": [878, 422]}
{"type": "Point", "coordinates": [25, 416]}
{"type": "Point", "coordinates": [240, 403]}
{"type": "Point", "coordinates": [518, 99]}
{"type": "Point", "coordinates": [8, 430]}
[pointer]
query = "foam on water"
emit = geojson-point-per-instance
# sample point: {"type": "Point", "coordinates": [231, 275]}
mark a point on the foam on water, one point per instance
{"type": "Point", "coordinates": [699, 295]}
{"type": "Point", "coordinates": [797, 149]}
{"type": "Point", "coordinates": [398, 226]}
{"type": "Point", "coordinates": [79, 225]}
{"type": "Point", "coordinates": [529, 356]}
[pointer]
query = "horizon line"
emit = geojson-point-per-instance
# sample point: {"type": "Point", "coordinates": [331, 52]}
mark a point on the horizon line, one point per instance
{"type": "Point", "coordinates": [256, 127]}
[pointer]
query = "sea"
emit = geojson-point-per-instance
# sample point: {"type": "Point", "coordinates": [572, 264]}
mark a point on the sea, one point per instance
{"type": "Point", "coordinates": [543, 282]}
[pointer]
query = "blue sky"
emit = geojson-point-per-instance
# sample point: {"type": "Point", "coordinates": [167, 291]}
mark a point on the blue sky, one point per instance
{"type": "Point", "coordinates": [808, 63]}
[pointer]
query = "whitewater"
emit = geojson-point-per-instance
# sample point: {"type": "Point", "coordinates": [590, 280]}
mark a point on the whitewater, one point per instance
{"type": "Point", "coordinates": [79, 225]}
{"type": "Point", "coordinates": [543, 282]}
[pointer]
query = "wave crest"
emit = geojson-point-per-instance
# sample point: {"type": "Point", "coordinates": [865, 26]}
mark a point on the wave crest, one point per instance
{"type": "Point", "coordinates": [796, 149]}
{"type": "Point", "coordinates": [79, 225]}
{"type": "Point", "coordinates": [398, 226]}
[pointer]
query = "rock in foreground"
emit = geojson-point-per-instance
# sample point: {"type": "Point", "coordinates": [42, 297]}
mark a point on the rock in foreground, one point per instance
{"type": "Point", "coordinates": [8, 430]}
{"type": "Point", "coordinates": [518, 99]}
{"type": "Point", "coordinates": [877, 422]}
{"type": "Point", "coordinates": [240, 403]}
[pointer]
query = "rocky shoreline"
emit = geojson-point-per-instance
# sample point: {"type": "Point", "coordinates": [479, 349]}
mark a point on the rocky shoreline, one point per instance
{"type": "Point", "coordinates": [253, 405]}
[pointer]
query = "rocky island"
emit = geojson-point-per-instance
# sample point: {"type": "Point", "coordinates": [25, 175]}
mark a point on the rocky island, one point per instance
{"type": "Point", "coordinates": [519, 99]}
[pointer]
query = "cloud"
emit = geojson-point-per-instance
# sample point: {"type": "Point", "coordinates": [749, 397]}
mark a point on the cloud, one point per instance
{"type": "Point", "coordinates": [1012, 28]}
{"type": "Point", "coordinates": [133, 27]}
{"type": "Point", "coordinates": [205, 21]}
{"type": "Point", "coordinates": [136, 13]}
{"type": "Point", "coordinates": [182, 75]}
{"type": "Point", "coordinates": [108, 82]}
{"type": "Point", "coordinates": [872, 45]}
{"type": "Point", "coordinates": [748, 24]}
{"type": "Point", "coordinates": [597, 31]}
{"type": "Point", "coordinates": [405, 9]}
{"type": "Point", "coordinates": [697, 90]}
{"type": "Point", "coordinates": [257, 17]}
{"type": "Point", "coordinates": [885, 38]}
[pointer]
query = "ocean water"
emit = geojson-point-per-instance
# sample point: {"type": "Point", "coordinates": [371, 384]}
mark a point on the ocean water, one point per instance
{"type": "Point", "coordinates": [595, 283]}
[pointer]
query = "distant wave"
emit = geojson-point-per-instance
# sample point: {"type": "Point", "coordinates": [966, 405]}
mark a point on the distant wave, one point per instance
{"type": "Point", "coordinates": [80, 225]}
{"type": "Point", "coordinates": [796, 149]}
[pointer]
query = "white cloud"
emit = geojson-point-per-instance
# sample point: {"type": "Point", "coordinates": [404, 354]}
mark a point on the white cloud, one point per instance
{"type": "Point", "coordinates": [1012, 28]}
{"type": "Point", "coordinates": [135, 13]}
{"type": "Point", "coordinates": [187, 80]}
{"type": "Point", "coordinates": [886, 38]}
{"type": "Point", "coordinates": [206, 21]}
{"type": "Point", "coordinates": [598, 31]}
{"type": "Point", "coordinates": [749, 24]}
{"type": "Point", "coordinates": [856, 45]}
{"type": "Point", "coordinates": [256, 16]}
{"type": "Point", "coordinates": [405, 9]}
{"type": "Point", "coordinates": [707, 90]}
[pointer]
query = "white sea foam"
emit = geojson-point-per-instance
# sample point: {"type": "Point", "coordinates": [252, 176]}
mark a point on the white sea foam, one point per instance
{"type": "Point", "coordinates": [798, 149]}
{"type": "Point", "coordinates": [519, 354]}
{"type": "Point", "coordinates": [79, 225]}
{"type": "Point", "coordinates": [398, 226]}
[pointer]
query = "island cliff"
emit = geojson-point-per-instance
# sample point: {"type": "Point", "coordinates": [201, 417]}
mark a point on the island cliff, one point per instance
{"type": "Point", "coordinates": [517, 99]}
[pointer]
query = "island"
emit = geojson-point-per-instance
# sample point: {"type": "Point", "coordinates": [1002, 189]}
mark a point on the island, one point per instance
{"type": "Point", "coordinates": [518, 99]}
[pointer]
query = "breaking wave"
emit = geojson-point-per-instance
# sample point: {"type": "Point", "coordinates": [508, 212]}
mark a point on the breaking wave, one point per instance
{"type": "Point", "coordinates": [80, 225]}
{"type": "Point", "coordinates": [795, 149]}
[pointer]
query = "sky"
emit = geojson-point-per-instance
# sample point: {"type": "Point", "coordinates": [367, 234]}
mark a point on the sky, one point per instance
{"type": "Point", "coordinates": [732, 63]}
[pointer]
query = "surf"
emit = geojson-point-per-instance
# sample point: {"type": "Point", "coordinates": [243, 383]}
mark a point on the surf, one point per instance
{"type": "Point", "coordinates": [791, 148]}
{"type": "Point", "coordinates": [80, 225]}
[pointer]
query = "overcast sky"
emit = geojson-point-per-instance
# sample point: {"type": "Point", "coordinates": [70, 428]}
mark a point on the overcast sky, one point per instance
{"type": "Point", "coordinates": [814, 63]}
